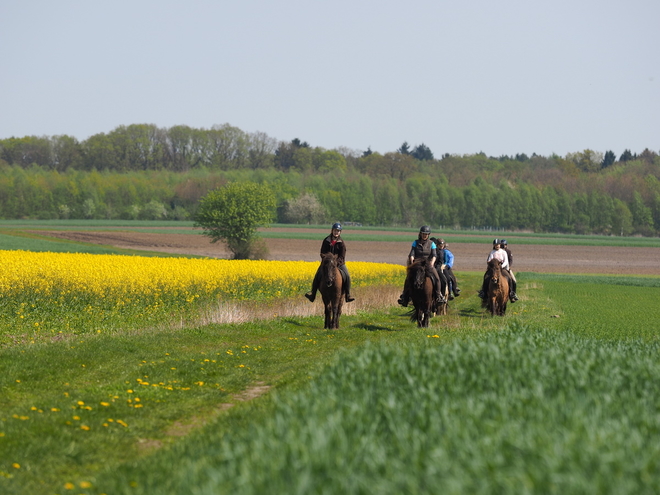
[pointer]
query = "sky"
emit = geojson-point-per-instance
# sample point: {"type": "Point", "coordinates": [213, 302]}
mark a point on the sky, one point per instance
{"type": "Point", "coordinates": [462, 77]}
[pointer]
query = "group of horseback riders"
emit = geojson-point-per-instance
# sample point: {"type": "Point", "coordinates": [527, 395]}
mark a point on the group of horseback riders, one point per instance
{"type": "Point", "coordinates": [441, 262]}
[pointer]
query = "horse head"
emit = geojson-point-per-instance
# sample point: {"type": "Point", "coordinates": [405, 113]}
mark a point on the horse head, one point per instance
{"type": "Point", "coordinates": [418, 273]}
{"type": "Point", "coordinates": [495, 267]}
{"type": "Point", "coordinates": [328, 268]}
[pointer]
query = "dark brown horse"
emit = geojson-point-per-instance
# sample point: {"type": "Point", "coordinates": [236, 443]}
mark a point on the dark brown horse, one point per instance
{"type": "Point", "coordinates": [332, 290]}
{"type": "Point", "coordinates": [498, 289]}
{"type": "Point", "coordinates": [421, 292]}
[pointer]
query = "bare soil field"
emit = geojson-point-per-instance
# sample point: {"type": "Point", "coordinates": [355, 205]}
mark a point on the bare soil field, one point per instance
{"type": "Point", "coordinates": [469, 257]}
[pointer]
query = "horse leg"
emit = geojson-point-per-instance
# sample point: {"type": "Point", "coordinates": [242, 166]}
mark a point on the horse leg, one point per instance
{"type": "Point", "coordinates": [328, 316]}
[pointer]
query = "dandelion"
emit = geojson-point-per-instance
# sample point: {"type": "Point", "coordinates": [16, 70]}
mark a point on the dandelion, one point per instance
{"type": "Point", "coordinates": [105, 404]}
{"type": "Point", "coordinates": [69, 486]}
{"type": "Point", "coordinates": [16, 465]}
{"type": "Point", "coordinates": [84, 427]}
{"type": "Point", "coordinates": [85, 484]}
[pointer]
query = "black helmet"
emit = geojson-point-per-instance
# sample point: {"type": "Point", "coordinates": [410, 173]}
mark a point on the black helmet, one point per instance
{"type": "Point", "coordinates": [503, 242]}
{"type": "Point", "coordinates": [425, 229]}
{"type": "Point", "coordinates": [336, 226]}
{"type": "Point", "coordinates": [441, 241]}
{"type": "Point", "coordinates": [496, 241]}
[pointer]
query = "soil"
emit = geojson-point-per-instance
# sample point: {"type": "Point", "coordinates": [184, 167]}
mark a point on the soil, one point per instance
{"type": "Point", "coordinates": [468, 256]}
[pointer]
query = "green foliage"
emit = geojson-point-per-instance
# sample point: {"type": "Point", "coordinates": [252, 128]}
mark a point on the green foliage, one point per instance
{"type": "Point", "coordinates": [233, 213]}
{"type": "Point", "coordinates": [122, 173]}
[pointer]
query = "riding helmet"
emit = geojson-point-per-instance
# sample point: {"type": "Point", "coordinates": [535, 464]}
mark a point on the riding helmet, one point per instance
{"type": "Point", "coordinates": [496, 241]}
{"type": "Point", "coordinates": [503, 242]}
{"type": "Point", "coordinates": [425, 229]}
{"type": "Point", "coordinates": [336, 226]}
{"type": "Point", "coordinates": [441, 242]}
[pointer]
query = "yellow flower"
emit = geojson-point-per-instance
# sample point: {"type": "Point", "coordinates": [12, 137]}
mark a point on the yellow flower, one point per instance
{"type": "Point", "coordinates": [69, 486]}
{"type": "Point", "coordinates": [85, 484]}
{"type": "Point", "coordinates": [84, 427]}
{"type": "Point", "coordinates": [16, 465]}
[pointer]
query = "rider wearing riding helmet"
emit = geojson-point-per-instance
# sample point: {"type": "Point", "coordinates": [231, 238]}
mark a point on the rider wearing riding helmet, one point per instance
{"type": "Point", "coordinates": [446, 263]}
{"type": "Point", "coordinates": [333, 244]}
{"type": "Point", "coordinates": [499, 254]}
{"type": "Point", "coordinates": [424, 248]}
{"type": "Point", "coordinates": [514, 283]}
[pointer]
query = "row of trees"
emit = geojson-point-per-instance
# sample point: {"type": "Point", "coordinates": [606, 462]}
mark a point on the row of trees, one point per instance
{"type": "Point", "coordinates": [141, 147]}
{"type": "Point", "coordinates": [626, 201]}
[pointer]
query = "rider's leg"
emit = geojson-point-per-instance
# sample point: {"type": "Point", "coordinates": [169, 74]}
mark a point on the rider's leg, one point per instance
{"type": "Point", "coordinates": [446, 284]}
{"type": "Point", "coordinates": [454, 283]}
{"type": "Point", "coordinates": [513, 297]}
{"type": "Point", "coordinates": [347, 283]}
{"type": "Point", "coordinates": [484, 286]}
{"type": "Point", "coordinates": [311, 295]}
{"type": "Point", "coordinates": [404, 298]}
{"type": "Point", "coordinates": [439, 290]}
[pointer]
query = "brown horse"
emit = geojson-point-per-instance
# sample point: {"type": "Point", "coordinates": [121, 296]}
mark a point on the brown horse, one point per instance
{"type": "Point", "coordinates": [498, 289]}
{"type": "Point", "coordinates": [421, 292]}
{"type": "Point", "coordinates": [332, 290]}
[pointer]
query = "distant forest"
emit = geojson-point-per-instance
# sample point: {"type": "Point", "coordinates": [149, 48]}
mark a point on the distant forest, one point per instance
{"type": "Point", "coordinates": [145, 172]}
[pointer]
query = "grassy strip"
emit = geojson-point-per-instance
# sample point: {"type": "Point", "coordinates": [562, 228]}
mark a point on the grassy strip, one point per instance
{"type": "Point", "coordinates": [406, 234]}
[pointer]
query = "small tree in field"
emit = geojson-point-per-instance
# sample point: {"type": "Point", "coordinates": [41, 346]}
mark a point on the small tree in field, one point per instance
{"type": "Point", "coordinates": [233, 213]}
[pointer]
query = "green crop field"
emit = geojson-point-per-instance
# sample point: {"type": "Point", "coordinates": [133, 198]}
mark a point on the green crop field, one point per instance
{"type": "Point", "coordinates": [560, 396]}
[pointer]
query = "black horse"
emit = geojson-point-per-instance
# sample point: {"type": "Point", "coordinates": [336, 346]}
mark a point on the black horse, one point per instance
{"type": "Point", "coordinates": [421, 291]}
{"type": "Point", "coordinates": [332, 290]}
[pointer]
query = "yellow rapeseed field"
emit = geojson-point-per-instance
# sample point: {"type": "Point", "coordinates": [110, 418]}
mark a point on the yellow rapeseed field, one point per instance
{"type": "Point", "coordinates": [86, 290]}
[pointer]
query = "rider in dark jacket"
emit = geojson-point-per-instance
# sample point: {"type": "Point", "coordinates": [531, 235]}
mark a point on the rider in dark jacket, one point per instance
{"type": "Point", "coordinates": [333, 244]}
{"type": "Point", "coordinates": [424, 247]}
{"type": "Point", "coordinates": [513, 297]}
{"type": "Point", "coordinates": [444, 265]}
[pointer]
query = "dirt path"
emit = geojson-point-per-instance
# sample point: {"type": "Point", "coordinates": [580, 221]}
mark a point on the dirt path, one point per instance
{"type": "Point", "coordinates": [469, 256]}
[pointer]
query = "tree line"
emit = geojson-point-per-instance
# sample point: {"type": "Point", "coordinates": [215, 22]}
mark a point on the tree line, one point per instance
{"type": "Point", "coordinates": [145, 172]}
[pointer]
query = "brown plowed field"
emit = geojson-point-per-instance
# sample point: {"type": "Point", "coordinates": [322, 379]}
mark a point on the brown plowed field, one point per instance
{"type": "Point", "coordinates": [469, 257]}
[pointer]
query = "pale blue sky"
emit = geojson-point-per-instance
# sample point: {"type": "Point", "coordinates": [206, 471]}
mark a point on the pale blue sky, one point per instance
{"type": "Point", "coordinates": [501, 77]}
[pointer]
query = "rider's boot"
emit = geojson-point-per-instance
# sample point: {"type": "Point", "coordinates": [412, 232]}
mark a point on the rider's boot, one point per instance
{"type": "Point", "coordinates": [457, 292]}
{"type": "Point", "coordinates": [482, 294]}
{"type": "Point", "coordinates": [311, 295]}
{"type": "Point", "coordinates": [349, 298]}
{"type": "Point", "coordinates": [513, 297]}
{"type": "Point", "coordinates": [439, 298]}
{"type": "Point", "coordinates": [404, 300]}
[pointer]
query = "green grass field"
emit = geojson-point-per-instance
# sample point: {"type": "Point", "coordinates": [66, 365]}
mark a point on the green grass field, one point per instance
{"type": "Point", "coordinates": [560, 396]}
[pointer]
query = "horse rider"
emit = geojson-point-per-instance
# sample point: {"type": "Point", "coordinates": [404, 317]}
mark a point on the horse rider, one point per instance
{"type": "Point", "coordinates": [505, 246]}
{"type": "Point", "coordinates": [446, 263]}
{"type": "Point", "coordinates": [499, 254]}
{"type": "Point", "coordinates": [424, 248]}
{"type": "Point", "coordinates": [334, 244]}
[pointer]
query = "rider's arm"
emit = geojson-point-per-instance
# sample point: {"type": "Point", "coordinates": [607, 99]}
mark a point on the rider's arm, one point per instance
{"type": "Point", "coordinates": [449, 258]}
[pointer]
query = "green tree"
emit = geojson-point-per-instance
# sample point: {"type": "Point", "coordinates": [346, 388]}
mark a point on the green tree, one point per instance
{"type": "Point", "coordinates": [422, 152]}
{"type": "Point", "coordinates": [608, 159]}
{"type": "Point", "coordinates": [233, 213]}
